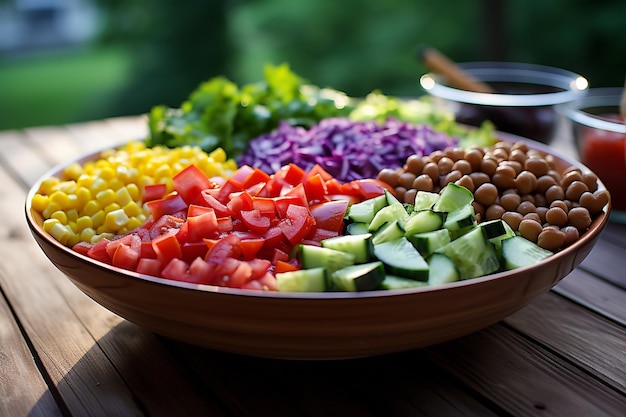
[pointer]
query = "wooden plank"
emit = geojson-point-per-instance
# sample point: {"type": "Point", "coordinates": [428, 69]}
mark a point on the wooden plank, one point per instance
{"type": "Point", "coordinates": [23, 390]}
{"type": "Point", "coordinates": [607, 260]}
{"type": "Point", "coordinates": [596, 294]}
{"type": "Point", "coordinates": [21, 161]}
{"type": "Point", "coordinates": [589, 341]}
{"type": "Point", "coordinates": [615, 233]}
{"type": "Point", "coordinates": [524, 379]}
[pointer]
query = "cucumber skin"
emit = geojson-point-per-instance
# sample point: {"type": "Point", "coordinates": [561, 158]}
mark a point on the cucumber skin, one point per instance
{"type": "Point", "coordinates": [304, 280]}
{"type": "Point", "coordinates": [401, 258]}
{"type": "Point", "coordinates": [372, 275]}
{"type": "Point", "coordinates": [518, 248]}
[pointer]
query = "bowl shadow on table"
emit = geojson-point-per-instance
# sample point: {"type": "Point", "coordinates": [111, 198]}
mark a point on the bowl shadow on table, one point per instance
{"type": "Point", "coordinates": [155, 375]}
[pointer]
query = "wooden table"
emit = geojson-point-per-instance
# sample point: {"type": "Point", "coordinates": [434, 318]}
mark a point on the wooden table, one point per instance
{"type": "Point", "coordinates": [61, 354]}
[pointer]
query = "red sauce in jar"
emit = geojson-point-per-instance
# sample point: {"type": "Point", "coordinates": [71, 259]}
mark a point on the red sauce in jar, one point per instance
{"type": "Point", "coordinates": [604, 153]}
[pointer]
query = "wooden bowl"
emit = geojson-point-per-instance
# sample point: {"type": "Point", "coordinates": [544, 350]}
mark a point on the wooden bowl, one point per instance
{"type": "Point", "coordinates": [313, 325]}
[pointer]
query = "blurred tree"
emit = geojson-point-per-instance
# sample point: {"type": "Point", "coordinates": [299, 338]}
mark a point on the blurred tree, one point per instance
{"type": "Point", "coordinates": [174, 45]}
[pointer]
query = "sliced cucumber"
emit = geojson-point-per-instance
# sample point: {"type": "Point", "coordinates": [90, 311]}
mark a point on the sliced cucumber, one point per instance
{"type": "Point", "coordinates": [393, 282]}
{"type": "Point", "coordinates": [362, 277]}
{"type": "Point", "coordinates": [331, 259]}
{"type": "Point", "coordinates": [423, 221]}
{"type": "Point", "coordinates": [402, 259]}
{"type": "Point", "coordinates": [452, 197]}
{"type": "Point", "coordinates": [473, 255]}
{"type": "Point", "coordinates": [388, 214]}
{"type": "Point", "coordinates": [364, 211]}
{"type": "Point", "coordinates": [442, 269]}
{"type": "Point", "coordinates": [425, 200]}
{"type": "Point", "coordinates": [360, 246]}
{"type": "Point", "coordinates": [427, 242]}
{"type": "Point", "coordinates": [460, 221]}
{"type": "Point", "coordinates": [496, 231]}
{"type": "Point", "coordinates": [389, 231]}
{"type": "Point", "coordinates": [304, 280]}
{"type": "Point", "coordinates": [391, 199]}
{"type": "Point", "coordinates": [357, 228]}
{"type": "Point", "coordinates": [518, 251]}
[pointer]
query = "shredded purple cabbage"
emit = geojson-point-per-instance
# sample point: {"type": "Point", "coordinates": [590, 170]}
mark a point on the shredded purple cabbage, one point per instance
{"type": "Point", "coordinates": [348, 150]}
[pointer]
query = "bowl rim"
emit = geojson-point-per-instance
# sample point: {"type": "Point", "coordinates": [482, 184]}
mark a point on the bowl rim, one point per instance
{"type": "Point", "coordinates": [36, 228]}
{"type": "Point", "coordinates": [596, 97]}
{"type": "Point", "coordinates": [573, 84]}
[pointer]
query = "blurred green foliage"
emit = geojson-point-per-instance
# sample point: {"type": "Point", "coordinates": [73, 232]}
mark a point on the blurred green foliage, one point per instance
{"type": "Point", "coordinates": [354, 46]}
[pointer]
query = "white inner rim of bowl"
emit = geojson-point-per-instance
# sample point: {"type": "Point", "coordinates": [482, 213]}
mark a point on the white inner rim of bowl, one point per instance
{"type": "Point", "coordinates": [609, 97]}
{"type": "Point", "coordinates": [574, 85]}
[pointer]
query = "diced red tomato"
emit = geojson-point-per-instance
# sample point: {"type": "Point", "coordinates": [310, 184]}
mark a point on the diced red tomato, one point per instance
{"type": "Point", "coordinates": [318, 170]}
{"type": "Point", "coordinates": [154, 192]}
{"type": "Point", "coordinates": [297, 223]}
{"type": "Point", "coordinates": [190, 182]}
{"type": "Point", "coordinates": [125, 257]}
{"type": "Point", "coordinates": [255, 221]}
{"type": "Point", "coordinates": [211, 201]}
{"type": "Point", "coordinates": [226, 247]}
{"type": "Point", "coordinates": [83, 248]}
{"type": "Point", "coordinates": [177, 270]}
{"type": "Point", "coordinates": [315, 189]}
{"type": "Point", "coordinates": [169, 204]}
{"type": "Point", "coordinates": [202, 226]}
{"type": "Point", "coordinates": [201, 271]}
{"type": "Point", "coordinates": [250, 247]}
{"type": "Point", "coordinates": [167, 248]}
{"type": "Point", "coordinates": [149, 266]}
{"type": "Point", "coordinates": [282, 266]}
{"type": "Point", "coordinates": [239, 202]}
{"type": "Point", "coordinates": [329, 215]}
{"type": "Point", "coordinates": [291, 173]}
{"type": "Point", "coordinates": [192, 250]}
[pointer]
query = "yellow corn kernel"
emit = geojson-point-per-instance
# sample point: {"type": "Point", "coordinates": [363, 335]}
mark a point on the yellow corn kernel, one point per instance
{"type": "Point", "coordinates": [103, 235]}
{"type": "Point", "coordinates": [73, 171]}
{"type": "Point", "coordinates": [106, 197]}
{"type": "Point", "coordinates": [49, 223]}
{"type": "Point", "coordinates": [87, 234]}
{"type": "Point", "coordinates": [92, 207]}
{"type": "Point", "coordinates": [60, 216]}
{"type": "Point", "coordinates": [98, 185]}
{"type": "Point", "coordinates": [73, 239]}
{"type": "Point", "coordinates": [115, 184]}
{"type": "Point", "coordinates": [133, 190]}
{"type": "Point", "coordinates": [51, 208]}
{"type": "Point", "coordinates": [218, 155]}
{"type": "Point", "coordinates": [83, 196]}
{"type": "Point", "coordinates": [145, 180]}
{"type": "Point", "coordinates": [116, 219]}
{"type": "Point", "coordinates": [84, 222]}
{"type": "Point", "coordinates": [132, 209]}
{"type": "Point", "coordinates": [72, 215]}
{"type": "Point", "coordinates": [163, 171]}
{"type": "Point", "coordinates": [72, 202]}
{"type": "Point", "coordinates": [60, 232]}
{"type": "Point", "coordinates": [112, 207]}
{"type": "Point", "coordinates": [123, 197]}
{"type": "Point", "coordinates": [40, 202]}
{"type": "Point", "coordinates": [59, 198]}
{"type": "Point", "coordinates": [48, 185]}
{"type": "Point", "coordinates": [133, 223]}
{"type": "Point", "coordinates": [85, 181]}
{"type": "Point", "coordinates": [66, 186]}
{"type": "Point", "coordinates": [98, 218]}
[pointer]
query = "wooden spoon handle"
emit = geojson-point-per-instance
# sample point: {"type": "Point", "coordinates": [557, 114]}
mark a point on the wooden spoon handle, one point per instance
{"type": "Point", "coordinates": [440, 64]}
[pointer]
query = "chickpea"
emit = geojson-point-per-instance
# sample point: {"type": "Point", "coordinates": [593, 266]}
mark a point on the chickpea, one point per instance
{"type": "Point", "coordinates": [526, 207]}
{"type": "Point", "coordinates": [554, 192]}
{"type": "Point", "coordinates": [530, 229]}
{"type": "Point", "coordinates": [571, 235]}
{"type": "Point", "coordinates": [389, 176]}
{"type": "Point", "coordinates": [570, 177]}
{"type": "Point", "coordinates": [465, 167]}
{"type": "Point", "coordinates": [488, 165]}
{"type": "Point", "coordinates": [551, 239]}
{"type": "Point", "coordinates": [423, 182]}
{"type": "Point", "coordinates": [486, 194]}
{"type": "Point", "coordinates": [432, 170]}
{"type": "Point", "coordinates": [560, 204]}
{"type": "Point", "coordinates": [406, 179]}
{"type": "Point", "coordinates": [479, 178]}
{"type": "Point", "coordinates": [510, 201]}
{"type": "Point", "coordinates": [556, 216]}
{"type": "Point", "coordinates": [494, 211]}
{"type": "Point", "coordinates": [409, 196]}
{"type": "Point", "coordinates": [580, 218]}
{"type": "Point", "coordinates": [575, 189]}
{"type": "Point", "coordinates": [540, 213]}
{"type": "Point", "coordinates": [414, 164]}
{"type": "Point", "coordinates": [591, 181]}
{"type": "Point", "coordinates": [466, 181]}
{"type": "Point", "coordinates": [537, 166]}
{"type": "Point", "coordinates": [474, 157]}
{"type": "Point", "coordinates": [445, 166]}
{"type": "Point", "coordinates": [535, 217]}
{"type": "Point", "coordinates": [526, 182]}
{"type": "Point", "coordinates": [513, 219]}
{"type": "Point", "coordinates": [503, 180]}
{"type": "Point", "coordinates": [544, 182]}
{"type": "Point", "coordinates": [518, 156]}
